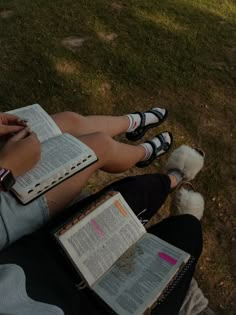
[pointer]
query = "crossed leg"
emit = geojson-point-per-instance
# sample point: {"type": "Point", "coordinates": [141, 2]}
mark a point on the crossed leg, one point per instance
{"type": "Point", "coordinates": [113, 156]}
{"type": "Point", "coordinates": [78, 125]}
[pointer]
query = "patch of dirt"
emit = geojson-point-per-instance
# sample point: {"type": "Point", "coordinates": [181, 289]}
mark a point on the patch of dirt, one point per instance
{"type": "Point", "coordinates": [6, 14]}
{"type": "Point", "coordinates": [73, 43]}
{"type": "Point", "coordinates": [66, 67]}
{"type": "Point", "coordinates": [214, 275]}
{"type": "Point", "coordinates": [108, 37]}
{"type": "Point", "coordinates": [105, 88]}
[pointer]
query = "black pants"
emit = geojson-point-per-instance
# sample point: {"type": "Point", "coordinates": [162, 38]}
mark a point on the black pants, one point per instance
{"type": "Point", "coordinates": [49, 276]}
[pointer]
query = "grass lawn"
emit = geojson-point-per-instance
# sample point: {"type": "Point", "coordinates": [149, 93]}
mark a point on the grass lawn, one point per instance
{"type": "Point", "coordinates": [104, 57]}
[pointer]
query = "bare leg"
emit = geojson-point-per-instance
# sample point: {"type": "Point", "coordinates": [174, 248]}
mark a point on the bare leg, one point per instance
{"type": "Point", "coordinates": [113, 157]}
{"type": "Point", "coordinates": [78, 125]}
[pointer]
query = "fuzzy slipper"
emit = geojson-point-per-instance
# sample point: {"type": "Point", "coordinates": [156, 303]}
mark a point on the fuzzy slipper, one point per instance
{"type": "Point", "coordinates": [157, 150]}
{"type": "Point", "coordinates": [140, 131]}
{"type": "Point", "coordinates": [188, 201]}
{"type": "Point", "coordinates": [186, 161]}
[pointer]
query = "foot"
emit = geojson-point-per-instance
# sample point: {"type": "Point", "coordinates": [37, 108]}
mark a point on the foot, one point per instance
{"type": "Point", "coordinates": [188, 201]}
{"type": "Point", "coordinates": [184, 163]}
{"type": "Point", "coordinates": [140, 122]}
{"type": "Point", "coordinates": [156, 147]}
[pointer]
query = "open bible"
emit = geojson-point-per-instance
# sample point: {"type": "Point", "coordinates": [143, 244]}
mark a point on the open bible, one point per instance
{"type": "Point", "coordinates": [62, 155]}
{"type": "Point", "coordinates": [131, 270]}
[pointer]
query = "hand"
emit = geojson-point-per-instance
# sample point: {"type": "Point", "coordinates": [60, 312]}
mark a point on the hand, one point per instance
{"type": "Point", "coordinates": [21, 152]}
{"type": "Point", "coordinates": [10, 124]}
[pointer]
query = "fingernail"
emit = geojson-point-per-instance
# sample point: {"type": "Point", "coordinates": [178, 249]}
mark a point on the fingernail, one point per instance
{"type": "Point", "coordinates": [29, 130]}
{"type": "Point", "coordinates": [22, 121]}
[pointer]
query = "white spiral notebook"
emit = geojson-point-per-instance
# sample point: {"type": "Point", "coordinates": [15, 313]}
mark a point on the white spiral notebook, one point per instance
{"type": "Point", "coordinates": [132, 271]}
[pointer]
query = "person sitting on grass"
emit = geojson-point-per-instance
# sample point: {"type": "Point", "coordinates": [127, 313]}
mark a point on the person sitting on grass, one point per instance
{"type": "Point", "coordinates": [22, 151]}
{"type": "Point", "coordinates": [50, 280]}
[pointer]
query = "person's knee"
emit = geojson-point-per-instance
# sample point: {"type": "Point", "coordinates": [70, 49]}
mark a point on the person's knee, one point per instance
{"type": "Point", "coordinates": [72, 118]}
{"type": "Point", "coordinates": [68, 122]}
{"type": "Point", "coordinates": [105, 142]}
{"type": "Point", "coordinates": [101, 143]}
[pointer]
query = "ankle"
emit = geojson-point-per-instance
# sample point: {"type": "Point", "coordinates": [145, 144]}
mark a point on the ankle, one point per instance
{"type": "Point", "coordinates": [176, 176]}
{"type": "Point", "coordinates": [173, 181]}
{"type": "Point", "coordinates": [151, 117]}
{"type": "Point", "coordinates": [134, 122]}
{"type": "Point", "coordinates": [147, 149]}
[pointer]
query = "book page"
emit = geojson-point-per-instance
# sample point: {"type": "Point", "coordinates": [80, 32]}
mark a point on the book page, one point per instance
{"type": "Point", "coordinates": [136, 280]}
{"type": "Point", "coordinates": [38, 120]}
{"type": "Point", "coordinates": [71, 155]}
{"type": "Point", "coordinates": [98, 240]}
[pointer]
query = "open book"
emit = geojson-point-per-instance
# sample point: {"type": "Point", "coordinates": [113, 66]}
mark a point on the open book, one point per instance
{"type": "Point", "coordinates": [129, 269]}
{"type": "Point", "coordinates": [62, 155]}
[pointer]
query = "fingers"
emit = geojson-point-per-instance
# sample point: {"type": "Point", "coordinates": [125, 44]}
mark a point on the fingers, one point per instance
{"type": "Point", "coordinates": [22, 122]}
{"type": "Point", "coordinates": [20, 135]}
{"type": "Point", "coordinates": [8, 118]}
{"type": "Point", "coordinates": [6, 129]}
{"type": "Point", "coordinates": [27, 135]}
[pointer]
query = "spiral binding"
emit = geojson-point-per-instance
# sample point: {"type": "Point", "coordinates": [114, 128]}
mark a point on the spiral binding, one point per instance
{"type": "Point", "coordinates": [174, 283]}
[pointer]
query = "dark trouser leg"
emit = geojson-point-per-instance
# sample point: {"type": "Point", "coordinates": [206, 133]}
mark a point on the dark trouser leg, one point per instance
{"type": "Point", "coordinates": [183, 231]}
{"type": "Point", "coordinates": [50, 278]}
{"type": "Point", "coordinates": [141, 192]}
{"type": "Point", "coordinates": [144, 192]}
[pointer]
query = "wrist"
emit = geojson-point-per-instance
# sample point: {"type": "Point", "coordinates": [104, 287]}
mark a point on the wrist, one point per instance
{"type": "Point", "coordinates": [7, 180]}
{"type": "Point", "coordinates": [4, 164]}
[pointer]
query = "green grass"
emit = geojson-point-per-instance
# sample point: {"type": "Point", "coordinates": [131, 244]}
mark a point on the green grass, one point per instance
{"type": "Point", "coordinates": [179, 53]}
{"type": "Point", "coordinates": [169, 44]}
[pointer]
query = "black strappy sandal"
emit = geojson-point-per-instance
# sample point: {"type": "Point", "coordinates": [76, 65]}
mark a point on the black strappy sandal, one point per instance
{"type": "Point", "coordinates": [164, 146]}
{"type": "Point", "coordinates": [140, 131]}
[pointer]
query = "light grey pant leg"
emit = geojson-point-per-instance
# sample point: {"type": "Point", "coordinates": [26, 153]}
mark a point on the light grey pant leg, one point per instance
{"type": "Point", "coordinates": [17, 220]}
